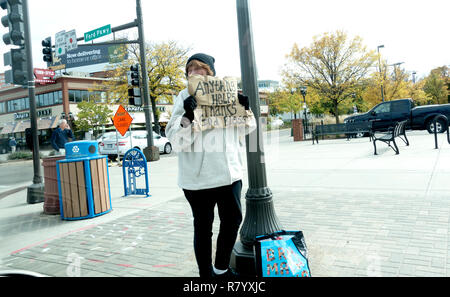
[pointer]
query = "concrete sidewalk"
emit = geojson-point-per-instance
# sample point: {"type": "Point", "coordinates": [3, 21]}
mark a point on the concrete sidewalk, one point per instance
{"type": "Point", "coordinates": [362, 215]}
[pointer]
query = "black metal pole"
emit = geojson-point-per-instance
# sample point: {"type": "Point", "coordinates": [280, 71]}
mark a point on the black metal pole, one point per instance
{"type": "Point", "coordinates": [435, 134]}
{"type": "Point", "coordinates": [35, 192]}
{"type": "Point", "coordinates": [379, 67]}
{"type": "Point", "coordinates": [260, 217]}
{"type": "Point", "coordinates": [151, 152]}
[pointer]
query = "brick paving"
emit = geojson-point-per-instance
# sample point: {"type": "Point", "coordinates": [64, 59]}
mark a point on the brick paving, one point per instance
{"type": "Point", "coordinates": [394, 225]}
{"type": "Point", "coordinates": [347, 234]}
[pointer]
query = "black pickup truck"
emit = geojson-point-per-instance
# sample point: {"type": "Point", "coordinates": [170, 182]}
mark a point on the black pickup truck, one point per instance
{"type": "Point", "coordinates": [386, 114]}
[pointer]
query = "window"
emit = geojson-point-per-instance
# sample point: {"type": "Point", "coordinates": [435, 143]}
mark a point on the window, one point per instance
{"type": "Point", "coordinates": [400, 106]}
{"type": "Point", "coordinates": [71, 96]}
{"type": "Point", "coordinates": [75, 96]}
{"type": "Point", "coordinates": [85, 96]}
{"type": "Point", "coordinates": [384, 107]}
{"type": "Point", "coordinates": [51, 99]}
{"type": "Point", "coordinates": [18, 104]}
{"type": "Point", "coordinates": [21, 103]}
{"type": "Point", "coordinates": [46, 103]}
{"type": "Point", "coordinates": [59, 97]}
{"type": "Point", "coordinates": [2, 107]}
{"type": "Point", "coordinates": [97, 97]}
{"type": "Point", "coordinates": [40, 100]}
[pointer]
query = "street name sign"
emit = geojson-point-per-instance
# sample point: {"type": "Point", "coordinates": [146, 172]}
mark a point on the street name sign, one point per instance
{"type": "Point", "coordinates": [97, 33]}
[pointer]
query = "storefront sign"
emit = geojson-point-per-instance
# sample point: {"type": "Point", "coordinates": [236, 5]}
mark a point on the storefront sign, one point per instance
{"type": "Point", "coordinates": [26, 115]}
{"type": "Point", "coordinates": [44, 76]}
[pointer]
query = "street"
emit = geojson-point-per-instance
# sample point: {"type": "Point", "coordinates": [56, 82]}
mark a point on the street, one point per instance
{"type": "Point", "coordinates": [15, 176]}
{"type": "Point", "coordinates": [14, 173]}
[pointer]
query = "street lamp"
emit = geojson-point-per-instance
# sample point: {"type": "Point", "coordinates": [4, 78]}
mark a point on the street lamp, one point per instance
{"type": "Point", "coordinates": [395, 68]}
{"type": "Point", "coordinates": [303, 92]}
{"type": "Point", "coordinates": [68, 117]}
{"type": "Point", "coordinates": [260, 217]}
{"type": "Point", "coordinates": [414, 77]}
{"type": "Point", "coordinates": [293, 91]}
{"type": "Point", "coordinates": [379, 67]}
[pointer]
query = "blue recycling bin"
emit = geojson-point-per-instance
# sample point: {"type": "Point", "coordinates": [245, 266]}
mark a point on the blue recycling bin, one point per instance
{"type": "Point", "coordinates": [83, 182]}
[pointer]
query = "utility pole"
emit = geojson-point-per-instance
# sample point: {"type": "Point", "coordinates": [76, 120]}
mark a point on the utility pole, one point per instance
{"type": "Point", "coordinates": [36, 190]}
{"type": "Point", "coordinates": [151, 152]}
{"type": "Point", "coordinates": [260, 217]}
{"type": "Point", "coordinates": [21, 73]}
{"type": "Point", "coordinates": [379, 67]}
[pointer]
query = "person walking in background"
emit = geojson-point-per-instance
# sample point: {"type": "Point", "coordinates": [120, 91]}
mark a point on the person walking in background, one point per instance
{"type": "Point", "coordinates": [13, 144]}
{"type": "Point", "coordinates": [61, 136]}
{"type": "Point", "coordinates": [209, 178]}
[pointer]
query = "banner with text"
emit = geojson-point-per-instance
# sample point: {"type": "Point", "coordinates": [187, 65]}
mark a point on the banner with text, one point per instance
{"type": "Point", "coordinates": [89, 55]}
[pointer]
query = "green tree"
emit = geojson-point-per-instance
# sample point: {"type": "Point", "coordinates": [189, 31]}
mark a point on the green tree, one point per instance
{"type": "Point", "coordinates": [165, 71]}
{"type": "Point", "coordinates": [436, 88]}
{"type": "Point", "coordinates": [92, 116]}
{"type": "Point", "coordinates": [284, 100]}
{"type": "Point", "coordinates": [333, 66]}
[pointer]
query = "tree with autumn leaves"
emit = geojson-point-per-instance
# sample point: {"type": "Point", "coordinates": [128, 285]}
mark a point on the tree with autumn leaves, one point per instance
{"type": "Point", "coordinates": [333, 67]}
{"type": "Point", "coordinates": [341, 73]}
{"type": "Point", "coordinates": [165, 71]}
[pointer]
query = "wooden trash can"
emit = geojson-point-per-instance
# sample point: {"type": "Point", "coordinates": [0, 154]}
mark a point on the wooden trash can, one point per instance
{"type": "Point", "coordinates": [51, 195]}
{"type": "Point", "coordinates": [83, 185]}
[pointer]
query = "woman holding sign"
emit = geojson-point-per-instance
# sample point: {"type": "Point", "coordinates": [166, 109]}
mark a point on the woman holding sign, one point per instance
{"type": "Point", "coordinates": [210, 171]}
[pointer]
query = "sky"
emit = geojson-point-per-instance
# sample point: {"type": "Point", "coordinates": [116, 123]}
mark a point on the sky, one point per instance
{"type": "Point", "coordinates": [414, 32]}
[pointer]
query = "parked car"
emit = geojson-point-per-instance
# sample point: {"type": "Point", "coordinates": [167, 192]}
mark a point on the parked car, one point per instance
{"type": "Point", "coordinates": [109, 145]}
{"type": "Point", "coordinates": [386, 114]}
{"type": "Point", "coordinates": [276, 123]}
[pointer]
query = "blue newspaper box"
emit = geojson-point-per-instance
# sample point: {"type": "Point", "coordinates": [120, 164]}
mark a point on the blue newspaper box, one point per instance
{"type": "Point", "coordinates": [83, 182]}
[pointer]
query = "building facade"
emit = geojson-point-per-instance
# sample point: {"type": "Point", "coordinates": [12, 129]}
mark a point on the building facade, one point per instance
{"type": "Point", "coordinates": [54, 102]}
{"type": "Point", "coordinates": [59, 100]}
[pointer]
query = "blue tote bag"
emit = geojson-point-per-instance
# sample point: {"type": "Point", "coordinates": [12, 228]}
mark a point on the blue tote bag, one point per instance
{"type": "Point", "coordinates": [281, 254]}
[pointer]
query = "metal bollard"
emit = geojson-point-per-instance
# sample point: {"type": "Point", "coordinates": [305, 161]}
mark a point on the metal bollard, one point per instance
{"type": "Point", "coordinates": [435, 133]}
{"type": "Point", "coordinates": [446, 125]}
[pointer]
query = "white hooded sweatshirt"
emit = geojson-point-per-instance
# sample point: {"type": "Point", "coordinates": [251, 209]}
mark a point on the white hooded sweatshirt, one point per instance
{"type": "Point", "coordinates": [206, 159]}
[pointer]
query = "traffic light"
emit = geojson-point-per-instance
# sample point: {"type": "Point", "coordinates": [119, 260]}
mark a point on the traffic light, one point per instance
{"type": "Point", "coordinates": [14, 20]}
{"type": "Point", "coordinates": [47, 50]}
{"type": "Point", "coordinates": [134, 97]}
{"type": "Point", "coordinates": [17, 59]}
{"type": "Point", "coordinates": [134, 93]}
{"type": "Point", "coordinates": [133, 78]}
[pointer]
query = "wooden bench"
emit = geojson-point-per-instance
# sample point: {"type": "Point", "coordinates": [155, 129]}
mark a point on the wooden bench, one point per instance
{"type": "Point", "coordinates": [348, 129]}
{"type": "Point", "coordinates": [397, 131]}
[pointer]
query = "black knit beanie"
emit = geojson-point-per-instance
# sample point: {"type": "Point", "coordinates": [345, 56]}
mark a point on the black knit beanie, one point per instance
{"type": "Point", "coordinates": [208, 60]}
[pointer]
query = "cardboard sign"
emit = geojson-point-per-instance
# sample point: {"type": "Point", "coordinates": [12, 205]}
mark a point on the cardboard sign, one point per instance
{"type": "Point", "coordinates": [217, 103]}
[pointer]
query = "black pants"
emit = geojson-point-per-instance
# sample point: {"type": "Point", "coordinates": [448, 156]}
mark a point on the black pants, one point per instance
{"type": "Point", "coordinates": [203, 202]}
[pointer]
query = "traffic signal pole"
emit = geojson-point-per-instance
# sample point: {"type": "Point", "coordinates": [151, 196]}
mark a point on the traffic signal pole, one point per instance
{"type": "Point", "coordinates": [151, 152]}
{"type": "Point", "coordinates": [35, 193]}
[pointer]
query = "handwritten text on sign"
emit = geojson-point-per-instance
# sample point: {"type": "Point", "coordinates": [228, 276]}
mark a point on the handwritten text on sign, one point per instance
{"type": "Point", "coordinates": [218, 104]}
